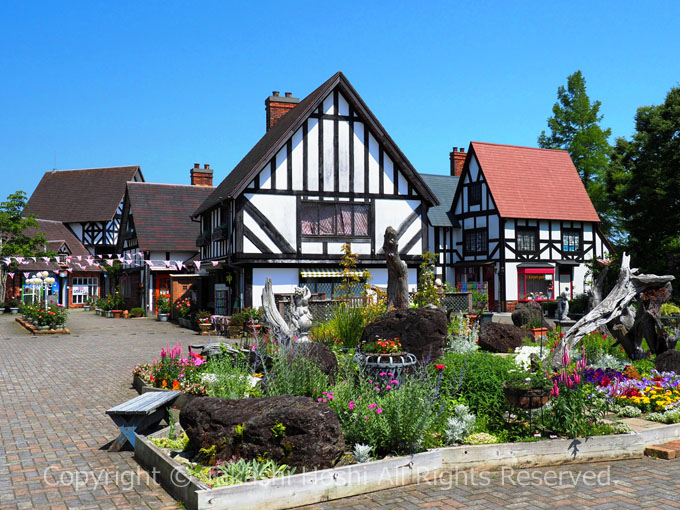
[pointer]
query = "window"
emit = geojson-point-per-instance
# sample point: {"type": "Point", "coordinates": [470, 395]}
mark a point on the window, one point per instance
{"type": "Point", "coordinates": [571, 240]}
{"type": "Point", "coordinates": [82, 288]}
{"type": "Point", "coordinates": [334, 219]}
{"type": "Point", "coordinates": [331, 287]}
{"type": "Point", "coordinates": [475, 242]}
{"type": "Point", "coordinates": [475, 193]}
{"type": "Point", "coordinates": [535, 284]}
{"type": "Point", "coordinates": [527, 240]}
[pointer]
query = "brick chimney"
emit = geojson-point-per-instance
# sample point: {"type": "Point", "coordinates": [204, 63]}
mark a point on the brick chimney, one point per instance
{"type": "Point", "coordinates": [457, 158]}
{"type": "Point", "coordinates": [277, 106]}
{"type": "Point", "coordinates": [201, 176]}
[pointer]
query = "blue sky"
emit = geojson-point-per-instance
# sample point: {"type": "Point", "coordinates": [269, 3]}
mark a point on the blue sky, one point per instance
{"type": "Point", "coordinates": [167, 84]}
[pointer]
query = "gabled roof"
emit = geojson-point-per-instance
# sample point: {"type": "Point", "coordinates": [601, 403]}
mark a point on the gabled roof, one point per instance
{"type": "Point", "coordinates": [527, 182]}
{"type": "Point", "coordinates": [274, 139]}
{"type": "Point", "coordinates": [444, 187]}
{"type": "Point", "coordinates": [72, 196]}
{"type": "Point", "coordinates": [162, 215]}
{"type": "Point", "coordinates": [57, 234]}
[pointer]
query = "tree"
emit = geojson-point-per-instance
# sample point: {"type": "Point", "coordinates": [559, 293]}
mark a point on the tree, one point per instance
{"type": "Point", "coordinates": [13, 239]}
{"type": "Point", "coordinates": [575, 127]}
{"type": "Point", "coordinates": [644, 183]}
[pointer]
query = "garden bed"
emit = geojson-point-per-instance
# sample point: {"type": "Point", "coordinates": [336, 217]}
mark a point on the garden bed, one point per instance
{"type": "Point", "coordinates": [335, 483]}
{"type": "Point", "coordinates": [142, 387]}
{"type": "Point", "coordinates": [35, 331]}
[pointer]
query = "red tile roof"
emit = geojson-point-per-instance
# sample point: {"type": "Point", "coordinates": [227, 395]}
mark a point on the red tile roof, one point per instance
{"type": "Point", "coordinates": [527, 182]}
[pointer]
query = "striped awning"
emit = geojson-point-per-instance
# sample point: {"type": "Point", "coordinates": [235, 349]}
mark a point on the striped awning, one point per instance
{"type": "Point", "coordinates": [325, 272]}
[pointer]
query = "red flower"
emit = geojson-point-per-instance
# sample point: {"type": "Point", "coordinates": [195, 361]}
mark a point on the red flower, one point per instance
{"type": "Point", "coordinates": [440, 367]}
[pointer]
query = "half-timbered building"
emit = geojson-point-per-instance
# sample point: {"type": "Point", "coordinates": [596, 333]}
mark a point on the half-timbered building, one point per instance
{"type": "Point", "coordinates": [89, 202]}
{"type": "Point", "coordinates": [158, 236]}
{"type": "Point", "coordinates": [525, 225]}
{"type": "Point", "coordinates": [325, 173]}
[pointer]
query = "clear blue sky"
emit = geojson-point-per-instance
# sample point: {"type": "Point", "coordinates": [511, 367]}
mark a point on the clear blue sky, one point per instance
{"type": "Point", "coordinates": [165, 84]}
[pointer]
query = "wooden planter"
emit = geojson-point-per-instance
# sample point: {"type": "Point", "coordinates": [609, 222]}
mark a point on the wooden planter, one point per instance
{"type": "Point", "coordinates": [526, 398]}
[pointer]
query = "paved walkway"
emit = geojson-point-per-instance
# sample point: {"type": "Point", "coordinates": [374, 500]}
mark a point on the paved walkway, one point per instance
{"type": "Point", "coordinates": [54, 391]}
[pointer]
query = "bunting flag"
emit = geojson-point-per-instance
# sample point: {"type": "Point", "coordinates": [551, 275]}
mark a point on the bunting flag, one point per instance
{"type": "Point", "coordinates": [79, 257]}
{"type": "Point", "coordinates": [167, 263]}
{"type": "Point", "coordinates": [109, 262]}
{"type": "Point", "coordinates": [11, 275]}
{"type": "Point", "coordinates": [7, 261]}
{"type": "Point", "coordinates": [214, 263]}
{"type": "Point", "coordinates": [56, 271]}
{"type": "Point", "coordinates": [20, 260]}
{"type": "Point", "coordinates": [46, 259]}
{"type": "Point", "coordinates": [149, 263]}
{"type": "Point", "coordinates": [179, 265]}
{"type": "Point", "coordinates": [69, 269]}
{"type": "Point", "coordinates": [26, 275]}
{"type": "Point", "coordinates": [32, 258]}
{"type": "Point", "coordinates": [197, 263]}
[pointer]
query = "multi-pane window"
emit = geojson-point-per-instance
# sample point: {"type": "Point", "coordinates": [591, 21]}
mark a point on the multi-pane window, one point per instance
{"type": "Point", "coordinates": [475, 193]}
{"type": "Point", "coordinates": [334, 219]}
{"type": "Point", "coordinates": [571, 240]}
{"type": "Point", "coordinates": [527, 240]}
{"type": "Point", "coordinates": [82, 288]}
{"type": "Point", "coordinates": [475, 242]}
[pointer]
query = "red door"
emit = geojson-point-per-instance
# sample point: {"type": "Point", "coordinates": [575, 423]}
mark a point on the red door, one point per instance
{"type": "Point", "coordinates": [489, 276]}
{"type": "Point", "coordinates": [162, 288]}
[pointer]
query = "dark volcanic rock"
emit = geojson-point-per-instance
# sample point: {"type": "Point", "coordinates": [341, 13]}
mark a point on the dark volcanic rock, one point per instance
{"type": "Point", "coordinates": [495, 337]}
{"type": "Point", "coordinates": [525, 311]}
{"type": "Point", "coordinates": [668, 361]}
{"type": "Point", "coordinates": [421, 331]}
{"type": "Point", "coordinates": [318, 353]}
{"type": "Point", "coordinates": [312, 437]}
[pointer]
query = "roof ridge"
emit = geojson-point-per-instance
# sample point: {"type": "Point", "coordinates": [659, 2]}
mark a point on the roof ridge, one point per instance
{"type": "Point", "coordinates": [519, 146]}
{"type": "Point", "coordinates": [55, 170]}
{"type": "Point", "coordinates": [171, 184]}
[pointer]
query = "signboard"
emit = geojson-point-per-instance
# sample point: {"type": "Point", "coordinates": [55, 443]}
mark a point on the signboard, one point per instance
{"type": "Point", "coordinates": [79, 290]}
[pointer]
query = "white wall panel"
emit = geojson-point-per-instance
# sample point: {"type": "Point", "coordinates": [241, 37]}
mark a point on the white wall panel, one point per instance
{"type": "Point", "coordinates": [313, 155]}
{"type": "Point", "coordinates": [328, 106]}
{"type": "Point", "coordinates": [284, 280]}
{"type": "Point", "coordinates": [280, 211]}
{"type": "Point", "coordinates": [297, 160]}
{"type": "Point", "coordinates": [343, 155]}
{"type": "Point", "coordinates": [312, 248]}
{"type": "Point", "coordinates": [282, 169]}
{"type": "Point", "coordinates": [403, 184]}
{"type": "Point", "coordinates": [359, 157]}
{"type": "Point", "coordinates": [328, 156]}
{"type": "Point", "coordinates": [373, 165]}
{"type": "Point", "coordinates": [388, 179]}
{"type": "Point", "coordinates": [343, 106]}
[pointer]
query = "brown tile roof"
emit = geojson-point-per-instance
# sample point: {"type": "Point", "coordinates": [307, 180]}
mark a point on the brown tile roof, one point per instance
{"type": "Point", "coordinates": [57, 234]}
{"type": "Point", "coordinates": [162, 215]}
{"type": "Point", "coordinates": [80, 195]}
{"type": "Point", "coordinates": [527, 182]}
{"type": "Point", "coordinates": [274, 139]}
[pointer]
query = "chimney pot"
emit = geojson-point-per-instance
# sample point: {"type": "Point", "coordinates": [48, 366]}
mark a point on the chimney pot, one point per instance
{"type": "Point", "coordinates": [277, 106]}
{"type": "Point", "coordinates": [457, 158]}
{"type": "Point", "coordinates": [197, 165]}
{"type": "Point", "coordinates": [289, 94]}
{"type": "Point", "coordinates": [275, 93]}
{"type": "Point", "coordinates": [462, 149]}
{"type": "Point", "coordinates": [201, 176]}
{"type": "Point", "coordinates": [207, 167]}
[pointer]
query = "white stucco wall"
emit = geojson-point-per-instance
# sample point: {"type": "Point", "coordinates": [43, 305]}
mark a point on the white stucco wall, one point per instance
{"type": "Point", "coordinates": [284, 279]}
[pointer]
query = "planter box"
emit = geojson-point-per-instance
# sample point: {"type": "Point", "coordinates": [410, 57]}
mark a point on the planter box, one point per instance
{"type": "Point", "coordinates": [163, 317]}
{"type": "Point", "coordinates": [107, 313]}
{"type": "Point", "coordinates": [35, 330]}
{"type": "Point", "coordinates": [14, 311]}
{"type": "Point", "coordinates": [97, 311]}
{"type": "Point", "coordinates": [539, 332]}
{"type": "Point", "coordinates": [308, 488]}
{"type": "Point", "coordinates": [86, 308]}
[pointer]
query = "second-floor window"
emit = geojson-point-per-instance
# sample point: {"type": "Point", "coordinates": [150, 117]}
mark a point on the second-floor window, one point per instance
{"type": "Point", "coordinates": [571, 240]}
{"type": "Point", "coordinates": [475, 193]}
{"type": "Point", "coordinates": [527, 240]}
{"type": "Point", "coordinates": [475, 242]}
{"type": "Point", "coordinates": [334, 219]}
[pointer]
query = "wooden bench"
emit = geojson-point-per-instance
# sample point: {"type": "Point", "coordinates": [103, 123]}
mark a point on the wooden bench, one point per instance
{"type": "Point", "coordinates": [138, 414]}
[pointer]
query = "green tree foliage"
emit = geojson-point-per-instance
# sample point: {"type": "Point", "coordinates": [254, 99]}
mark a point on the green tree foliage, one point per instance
{"type": "Point", "coordinates": [13, 238]}
{"type": "Point", "coordinates": [575, 127]}
{"type": "Point", "coordinates": [427, 291]}
{"type": "Point", "coordinates": [644, 182]}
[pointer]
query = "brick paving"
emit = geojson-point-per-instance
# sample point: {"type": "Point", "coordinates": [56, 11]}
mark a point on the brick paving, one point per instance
{"type": "Point", "coordinates": [54, 391]}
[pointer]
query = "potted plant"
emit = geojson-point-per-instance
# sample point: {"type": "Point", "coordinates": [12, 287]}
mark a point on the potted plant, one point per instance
{"type": "Point", "coordinates": [13, 306]}
{"type": "Point", "coordinates": [2, 307]}
{"type": "Point", "coordinates": [88, 304]}
{"type": "Point", "coordinates": [118, 304]}
{"type": "Point", "coordinates": [136, 312]}
{"type": "Point", "coordinates": [203, 321]}
{"type": "Point", "coordinates": [183, 309]}
{"type": "Point", "coordinates": [163, 308]}
{"type": "Point", "coordinates": [528, 389]}
{"type": "Point", "coordinates": [382, 356]}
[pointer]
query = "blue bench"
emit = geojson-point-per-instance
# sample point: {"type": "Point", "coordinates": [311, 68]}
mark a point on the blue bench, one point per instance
{"type": "Point", "coordinates": [139, 414]}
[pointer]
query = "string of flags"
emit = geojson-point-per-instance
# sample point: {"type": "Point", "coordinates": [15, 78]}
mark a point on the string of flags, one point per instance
{"type": "Point", "coordinates": [85, 263]}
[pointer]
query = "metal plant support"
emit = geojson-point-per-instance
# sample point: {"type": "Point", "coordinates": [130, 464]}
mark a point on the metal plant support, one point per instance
{"type": "Point", "coordinates": [375, 364]}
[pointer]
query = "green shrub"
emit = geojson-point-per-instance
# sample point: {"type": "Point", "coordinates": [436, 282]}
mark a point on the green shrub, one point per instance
{"type": "Point", "coordinates": [668, 309]}
{"type": "Point", "coordinates": [136, 310]}
{"type": "Point", "coordinates": [644, 367]}
{"type": "Point", "coordinates": [477, 378]}
{"type": "Point", "coordinates": [346, 325]}
{"type": "Point", "coordinates": [227, 377]}
{"type": "Point", "coordinates": [296, 376]}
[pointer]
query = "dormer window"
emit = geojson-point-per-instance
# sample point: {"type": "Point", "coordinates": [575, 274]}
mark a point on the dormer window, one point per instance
{"type": "Point", "coordinates": [334, 219]}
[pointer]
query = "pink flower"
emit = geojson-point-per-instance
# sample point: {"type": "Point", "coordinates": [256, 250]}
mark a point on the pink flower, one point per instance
{"type": "Point", "coordinates": [378, 411]}
{"type": "Point", "coordinates": [390, 374]}
{"type": "Point", "coordinates": [325, 400]}
{"type": "Point", "coordinates": [351, 405]}
{"type": "Point", "coordinates": [371, 406]}
{"type": "Point", "coordinates": [394, 381]}
{"type": "Point", "coordinates": [577, 378]}
{"type": "Point", "coordinates": [555, 392]}
{"type": "Point", "coordinates": [366, 418]}
{"type": "Point", "coordinates": [388, 387]}
{"type": "Point", "coordinates": [319, 399]}
{"type": "Point", "coordinates": [383, 374]}
{"type": "Point", "coordinates": [565, 357]}
{"type": "Point", "coordinates": [377, 388]}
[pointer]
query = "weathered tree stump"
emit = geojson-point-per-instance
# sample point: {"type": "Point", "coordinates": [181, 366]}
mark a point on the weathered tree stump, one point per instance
{"type": "Point", "coordinates": [397, 272]}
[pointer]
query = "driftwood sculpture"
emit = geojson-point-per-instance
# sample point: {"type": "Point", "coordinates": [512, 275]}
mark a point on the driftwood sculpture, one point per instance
{"type": "Point", "coordinates": [397, 272]}
{"type": "Point", "coordinates": [301, 318]}
{"type": "Point", "coordinates": [615, 315]}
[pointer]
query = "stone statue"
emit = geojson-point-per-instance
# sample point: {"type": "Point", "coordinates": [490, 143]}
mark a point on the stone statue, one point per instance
{"type": "Point", "coordinates": [300, 316]}
{"type": "Point", "coordinates": [562, 311]}
{"type": "Point", "coordinates": [397, 272]}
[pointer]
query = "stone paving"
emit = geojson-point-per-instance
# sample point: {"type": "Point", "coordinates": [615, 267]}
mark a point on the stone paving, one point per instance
{"type": "Point", "coordinates": [54, 391]}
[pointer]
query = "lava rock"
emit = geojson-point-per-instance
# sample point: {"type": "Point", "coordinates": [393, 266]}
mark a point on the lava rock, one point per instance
{"type": "Point", "coordinates": [421, 331]}
{"type": "Point", "coordinates": [668, 361]}
{"type": "Point", "coordinates": [525, 311]}
{"type": "Point", "coordinates": [318, 353]}
{"type": "Point", "coordinates": [496, 337]}
{"type": "Point", "coordinates": [296, 431]}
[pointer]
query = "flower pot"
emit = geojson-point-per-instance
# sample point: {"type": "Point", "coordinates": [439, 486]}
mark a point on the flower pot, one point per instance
{"type": "Point", "coordinates": [528, 398]}
{"type": "Point", "coordinates": [108, 313]}
{"type": "Point", "coordinates": [116, 313]}
{"type": "Point", "coordinates": [205, 327]}
{"type": "Point", "coordinates": [98, 311]}
{"type": "Point", "coordinates": [43, 328]}
{"type": "Point", "coordinates": [2, 311]}
{"type": "Point", "coordinates": [487, 317]}
{"type": "Point", "coordinates": [86, 308]}
{"type": "Point", "coordinates": [539, 332]}
{"type": "Point", "coordinates": [163, 317]}
{"type": "Point", "coordinates": [396, 364]}
{"type": "Point", "coordinates": [14, 311]}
